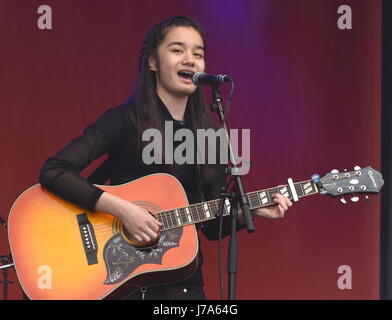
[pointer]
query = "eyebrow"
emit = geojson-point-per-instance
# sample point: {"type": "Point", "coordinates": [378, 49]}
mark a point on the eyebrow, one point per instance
{"type": "Point", "coordinates": [183, 45]}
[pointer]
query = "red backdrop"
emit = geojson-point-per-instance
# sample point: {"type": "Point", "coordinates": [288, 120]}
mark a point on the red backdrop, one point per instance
{"type": "Point", "coordinates": [308, 91]}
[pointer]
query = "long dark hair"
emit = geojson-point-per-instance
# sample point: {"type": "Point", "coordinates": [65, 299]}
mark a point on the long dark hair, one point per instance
{"type": "Point", "coordinates": [148, 114]}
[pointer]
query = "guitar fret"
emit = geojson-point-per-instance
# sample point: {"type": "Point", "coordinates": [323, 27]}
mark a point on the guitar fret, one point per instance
{"type": "Point", "coordinates": [188, 214]}
{"type": "Point", "coordinates": [308, 187]}
{"type": "Point", "coordinates": [256, 200]}
{"type": "Point", "coordinates": [168, 220]}
{"type": "Point", "coordinates": [302, 188]}
{"type": "Point", "coordinates": [248, 196]}
{"type": "Point", "coordinates": [158, 217]}
{"type": "Point", "coordinates": [177, 217]}
{"type": "Point", "coordinates": [202, 213]}
{"type": "Point", "coordinates": [285, 191]}
{"type": "Point", "coordinates": [195, 214]}
{"type": "Point", "coordinates": [215, 209]}
{"type": "Point", "coordinates": [163, 219]}
{"type": "Point", "coordinates": [216, 204]}
{"type": "Point", "coordinates": [269, 195]}
{"type": "Point", "coordinates": [185, 214]}
{"type": "Point", "coordinates": [223, 207]}
{"type": "Point", "coordinates": [257, 195]}
{"type": "Point", "coordinates": [181, 216]}
{"type": "Point", "coordinates": [263, 197]}
{"type": "Point", "coordinates": [207, 210]}
{"type": "Point", "coordinates": [227, 206]}
{"type": "Point", "coordinates": [298, 189]}
{"type": "Point", "coordinates": [172, 220]}
{"type": "Point", "coordinates": [250, 200]}
{"type": "Point", "coordinates": [212, 205]}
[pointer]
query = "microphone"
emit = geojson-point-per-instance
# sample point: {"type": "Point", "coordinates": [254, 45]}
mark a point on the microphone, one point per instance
{"type": "Point", "coordinates": [203, 79]}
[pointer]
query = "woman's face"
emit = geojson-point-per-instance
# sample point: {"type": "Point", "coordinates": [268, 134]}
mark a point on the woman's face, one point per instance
{"type": "Point", "coordinates": [180, 55]}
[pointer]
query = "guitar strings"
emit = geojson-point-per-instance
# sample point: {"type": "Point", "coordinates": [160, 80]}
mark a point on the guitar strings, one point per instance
{"type": "Point", "coordinates": [169, 218]}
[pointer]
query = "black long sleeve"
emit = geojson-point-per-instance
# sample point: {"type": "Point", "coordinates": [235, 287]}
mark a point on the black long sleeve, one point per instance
{"type": "Point", "coordinates": [60, 173]}
{"type": "Point", "coordinates": [115, 134]}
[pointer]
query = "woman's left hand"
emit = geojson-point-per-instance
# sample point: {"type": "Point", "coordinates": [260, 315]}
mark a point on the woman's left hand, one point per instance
{"type": "Point", "coordinates": [275, 211]}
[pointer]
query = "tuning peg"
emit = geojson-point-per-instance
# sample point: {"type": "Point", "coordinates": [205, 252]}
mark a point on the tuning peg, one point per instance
{"type": "Point", "coordinates": [366, 197]}
{"type": "Point", "coordinates": [355, 199]}
{"type": "Point", "coordinates": [357, 168]}
{"type": "Point", "coordinates": [335, 171]}
{"type": "Point", "coordinates": [342, 200]}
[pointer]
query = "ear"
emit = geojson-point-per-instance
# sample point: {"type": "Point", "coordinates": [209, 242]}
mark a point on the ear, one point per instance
{"type": "Point", "coordinates": [152, 63]}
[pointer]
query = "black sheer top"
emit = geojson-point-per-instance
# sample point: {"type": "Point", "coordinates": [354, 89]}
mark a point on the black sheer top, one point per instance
{"type": "Point", "coordinates": [115, 134]}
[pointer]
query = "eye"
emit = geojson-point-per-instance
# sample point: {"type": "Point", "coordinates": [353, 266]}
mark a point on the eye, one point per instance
{"type": "Point", "coordinates": [177, 50]}
{"type": "Point", "coordinates": [199, 55]}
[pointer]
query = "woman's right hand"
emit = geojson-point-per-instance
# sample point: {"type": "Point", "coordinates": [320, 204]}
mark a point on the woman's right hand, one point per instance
{"type": "Point", "coordinates": [139, 223]}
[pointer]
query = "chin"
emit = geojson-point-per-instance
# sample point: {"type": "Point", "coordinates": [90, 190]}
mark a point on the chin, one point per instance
{"type": "Point", "coordinates": [188, 91]}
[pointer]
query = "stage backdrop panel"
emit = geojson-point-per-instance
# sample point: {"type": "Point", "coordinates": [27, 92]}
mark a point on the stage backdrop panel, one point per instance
{"type": "Point", "coordinates": [308, 91]}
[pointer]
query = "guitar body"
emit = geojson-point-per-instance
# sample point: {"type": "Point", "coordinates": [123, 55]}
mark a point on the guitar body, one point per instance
{"type": "Point", "coordinates": [62, 251]}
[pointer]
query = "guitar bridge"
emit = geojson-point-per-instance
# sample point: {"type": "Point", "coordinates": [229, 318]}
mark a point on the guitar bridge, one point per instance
{"type": "Point", "coordinates": [88, 238]}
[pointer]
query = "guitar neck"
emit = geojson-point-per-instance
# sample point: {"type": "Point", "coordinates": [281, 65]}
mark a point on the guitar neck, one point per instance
{"type": "Point", "coordinates": [205, 211]}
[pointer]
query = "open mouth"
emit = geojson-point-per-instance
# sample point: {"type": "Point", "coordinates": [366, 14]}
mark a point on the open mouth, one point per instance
{"type": "Point", "coordinates": [187, 75]}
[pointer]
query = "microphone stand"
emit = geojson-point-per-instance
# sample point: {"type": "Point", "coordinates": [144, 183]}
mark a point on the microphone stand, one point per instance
{"type": "Point", "coordinates": [7, 262]}
{"type": "Point", "coordinates": [238, 198]}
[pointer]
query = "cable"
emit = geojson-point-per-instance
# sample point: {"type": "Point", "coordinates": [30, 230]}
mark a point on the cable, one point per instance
{"type": "Point", "coordinates": [220, 257]}
{"type": "Point", "coordinates": [220, 217]}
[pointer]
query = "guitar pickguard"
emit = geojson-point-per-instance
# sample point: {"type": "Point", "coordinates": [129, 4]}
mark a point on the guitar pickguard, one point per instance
{"type": "Point", "coordinates": [122, 258]}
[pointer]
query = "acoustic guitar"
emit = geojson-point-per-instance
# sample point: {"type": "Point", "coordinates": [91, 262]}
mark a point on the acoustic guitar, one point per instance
{"type": "Point", "coordinates": [62, 251]}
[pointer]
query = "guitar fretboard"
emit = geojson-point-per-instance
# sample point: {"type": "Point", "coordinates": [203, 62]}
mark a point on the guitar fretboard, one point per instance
{"type": "Point", "coordinates": [204, 211]}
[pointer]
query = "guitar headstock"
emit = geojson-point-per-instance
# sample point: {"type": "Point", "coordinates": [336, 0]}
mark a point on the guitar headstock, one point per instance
{"type": "Point", "coordinates": [366, 180]}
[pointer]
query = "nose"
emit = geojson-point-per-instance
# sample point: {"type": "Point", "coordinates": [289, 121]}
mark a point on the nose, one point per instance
{"type": "Point", "coordinates": [189, 59]}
